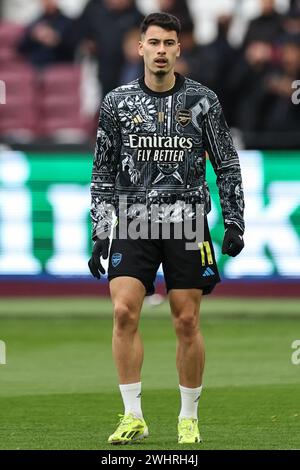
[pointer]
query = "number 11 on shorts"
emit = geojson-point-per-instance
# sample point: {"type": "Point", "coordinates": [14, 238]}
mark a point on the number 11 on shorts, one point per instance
{"type": "Point", "coordinates": [205, 248]}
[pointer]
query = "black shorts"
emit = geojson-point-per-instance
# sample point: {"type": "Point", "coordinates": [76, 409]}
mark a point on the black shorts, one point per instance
{"type": "Point", "coordinates": [183, 269]}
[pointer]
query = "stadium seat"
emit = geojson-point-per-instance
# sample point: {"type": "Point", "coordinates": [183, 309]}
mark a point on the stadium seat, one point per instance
{"type": "Point", "coordinates": [66, 130]}
{"type": "Point", "coordinates": [19, 78]}
{"type": "Point", "coordinates": [7, 55]}
{"type": "Point", "coordinates": [19, 122]}
{"type": "Point", "coordinates": [60, 104]}
{"type": "Point", "coordinates": [61, 79]}
{"type": "Point", "coordinates": [10, 35]}
{"type": "Point", "coordinates": [43, 103]}
{"type": "Point", "coordinates": [19, 119]}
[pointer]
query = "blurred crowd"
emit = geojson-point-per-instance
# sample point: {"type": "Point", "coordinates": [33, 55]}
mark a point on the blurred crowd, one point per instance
{"type": "Point", "coordinates": [254, 81]}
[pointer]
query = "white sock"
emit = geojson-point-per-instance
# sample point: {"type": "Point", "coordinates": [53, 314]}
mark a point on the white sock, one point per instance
{"type": "Point", "coordinates": [131, 395]}
{"type": "Point", "coordinates": [189, 402]}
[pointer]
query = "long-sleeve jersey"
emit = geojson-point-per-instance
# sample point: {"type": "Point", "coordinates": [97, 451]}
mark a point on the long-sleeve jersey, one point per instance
{"type": "Point", "coordinates": [151, 147]}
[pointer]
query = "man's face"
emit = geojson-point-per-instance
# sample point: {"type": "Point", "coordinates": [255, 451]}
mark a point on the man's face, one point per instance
{"type": "Point", "coordinates": [49, 5]}
{"type": "Point", "coordinates": [118, 5]}
{"type": "Point", "coordinates": [159, 48]}
{"type": "Point", "coordinates": [291, 56]}
{"type": "Point", "coordinates": [165, 5]}
{"type": "Point", "coordinates": [267, 6]}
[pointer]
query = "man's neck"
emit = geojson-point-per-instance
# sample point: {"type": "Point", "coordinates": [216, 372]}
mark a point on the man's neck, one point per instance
{"type": "Point", "coordinates": [160, 83]}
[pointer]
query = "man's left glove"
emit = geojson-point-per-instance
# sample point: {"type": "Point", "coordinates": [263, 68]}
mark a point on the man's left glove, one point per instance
{"type": "Point", "coordinates": [100, 249]}
{"type": "Point", "coordinates": [233, 242]}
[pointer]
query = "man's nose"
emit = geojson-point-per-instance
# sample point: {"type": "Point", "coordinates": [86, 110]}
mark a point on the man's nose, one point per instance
{"type": "Point", "coordinates": [161, 48]}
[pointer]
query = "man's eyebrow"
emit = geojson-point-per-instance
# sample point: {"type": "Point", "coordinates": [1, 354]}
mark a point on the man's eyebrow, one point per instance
{"type": "Point", "coordinates": [164, 40]}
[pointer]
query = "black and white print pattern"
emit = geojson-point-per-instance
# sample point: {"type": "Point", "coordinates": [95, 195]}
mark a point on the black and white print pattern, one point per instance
{"type": "Point", "coordinates": [121, 169]}
{"type": "Point", "coordinates": [137, 114]}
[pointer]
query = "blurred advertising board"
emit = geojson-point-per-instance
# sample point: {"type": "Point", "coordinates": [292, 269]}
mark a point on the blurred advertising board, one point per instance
{"type": "Point", "coordinates": [45, 225]}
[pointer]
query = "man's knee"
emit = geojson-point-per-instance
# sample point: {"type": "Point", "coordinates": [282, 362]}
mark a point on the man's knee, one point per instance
{"type": "Point", "coordinates": [125, 316]}
{"type": "Point", "coordinates": [186, 323]}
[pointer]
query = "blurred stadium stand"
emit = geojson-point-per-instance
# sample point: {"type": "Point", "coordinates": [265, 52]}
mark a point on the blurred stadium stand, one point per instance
{"type": "Point", "coordinates": [50, 113]}
{"type": "Point", "coordinates": [60, 104]}
{"type": "Point", "coordinates": [10, 35]}
{"type": "Point", "coordinates": [50, 105]}
{"type": "Point", "coordinates": [43, 104]}
{"type": "Point", "coordinates": [19, 120]}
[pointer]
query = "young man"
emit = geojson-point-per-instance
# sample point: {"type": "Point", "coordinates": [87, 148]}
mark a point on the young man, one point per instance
{"type": "Point", "coordinates": [151, 147]}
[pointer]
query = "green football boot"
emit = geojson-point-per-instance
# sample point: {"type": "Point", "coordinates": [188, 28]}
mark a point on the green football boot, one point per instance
{"type": "Point", "coordinates": [188, 431]}
{"type": "Point", "coordinates": [130, 429]}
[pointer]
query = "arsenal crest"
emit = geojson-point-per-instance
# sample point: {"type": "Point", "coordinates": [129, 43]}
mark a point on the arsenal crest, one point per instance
{"type": "Point", "coordinates": [184, 117]}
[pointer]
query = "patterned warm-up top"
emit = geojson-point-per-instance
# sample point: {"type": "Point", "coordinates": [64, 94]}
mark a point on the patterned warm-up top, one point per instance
{"type": "Point", "coordinates": [151, 147]}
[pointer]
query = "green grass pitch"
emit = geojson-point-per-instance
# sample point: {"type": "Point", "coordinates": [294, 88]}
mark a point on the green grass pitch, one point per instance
{"type": "Point", "coordinates": [59, 390]}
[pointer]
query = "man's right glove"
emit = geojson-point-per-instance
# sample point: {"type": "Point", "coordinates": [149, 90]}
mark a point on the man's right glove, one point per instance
{"type": "Point", "coordinates": [233, 242]}
{"type": "Point", "coordinates": [100, 249]}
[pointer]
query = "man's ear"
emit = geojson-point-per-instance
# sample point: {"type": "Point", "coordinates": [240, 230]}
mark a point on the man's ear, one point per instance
{"type": "Point", "coordinates": [140, 49]}
{"type": "Point", "coordinates": [179, 50]}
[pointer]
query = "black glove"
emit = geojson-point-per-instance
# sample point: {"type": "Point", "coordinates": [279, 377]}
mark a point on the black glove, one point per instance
{"type": "Point", "coordinates": [100, 249]}
{"type": "Point", "coordinates": [233, 242]}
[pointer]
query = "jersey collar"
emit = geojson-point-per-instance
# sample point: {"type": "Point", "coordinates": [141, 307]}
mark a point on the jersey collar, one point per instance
{"type": "Point", "coordinates": [161, 94]}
